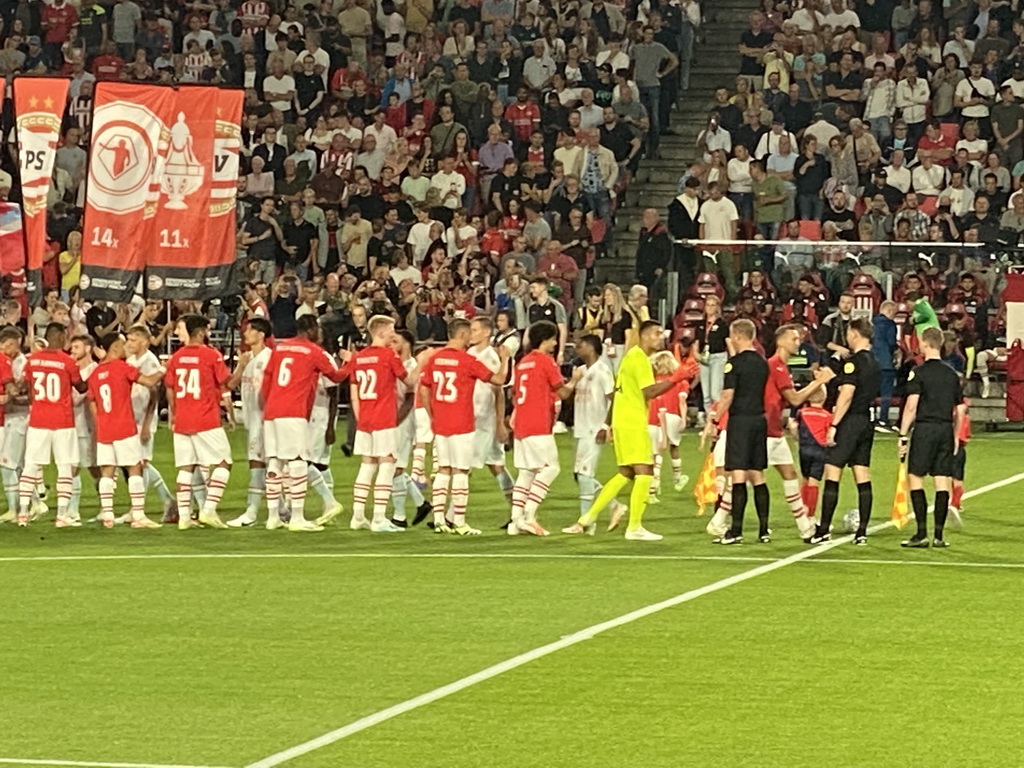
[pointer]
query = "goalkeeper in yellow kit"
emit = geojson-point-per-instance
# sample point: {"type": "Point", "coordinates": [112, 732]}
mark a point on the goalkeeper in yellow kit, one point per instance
{"type": "Point", "coordinates": [634, 388]}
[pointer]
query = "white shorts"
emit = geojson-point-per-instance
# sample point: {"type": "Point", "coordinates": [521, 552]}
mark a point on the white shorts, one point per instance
{"type": "Point", "coordinates": [719, 451]}
{"type": "Point", "coordinates": [254, 441]}
{"type": "Point", "coordinates": [203, 449]}
{"type": "Point", "coordinates": [12, 453]}
{"type": "Point", "coordinates": [487, 451]}
{"type": "Point", "coordinates": [318, 452]}
{"type": "Point", "coordinates": [588, 454]}
{"type": "Point", "coordinates": [455, 451]}
{"type": "Point", "coordinates": [58, 445]}
{"type": "Point", "coordinates": [379, 444]}
{"type": "Point", "coordinates": [406, 437]}
{"type": "Point", "coordinates": [87, 450]}
{"type": "Point", "coordinates": [424, 432]}
{"type": "Point", "coordinates": [535, 452]}
{"type": "Point", "coordinates": [286, 439]}
{"type": "Point", "coordinates": [147, 445]}
{"type": "Point", "coordinates": [779, 453]}
{"type": "Point", "coordinates": [673, 430]}
{"type": "Point", "coordinates": [120, 453]}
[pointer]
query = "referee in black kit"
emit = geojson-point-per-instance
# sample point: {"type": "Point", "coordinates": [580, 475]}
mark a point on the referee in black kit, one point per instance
{"type": "Point", "coordinates": [852, 434]}
{"type": "Point", "coordinates": [934, 403]}
{"type": "Point", "coordinates": [746, 438]}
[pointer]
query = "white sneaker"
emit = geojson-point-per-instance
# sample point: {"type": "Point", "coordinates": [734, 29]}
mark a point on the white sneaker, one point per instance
{"type": "Point", "coordinates": [560, 428]}
{"type": "Point", "coordinates": [122, 519]}
{"type": "Point", "coordinates": [531, 527]}
{"type": "Point", "coordinates": [642, 534]}
{"type": "Point", "coordinates": [385, 526]}
{"type": "Point", "coordinates": [8, 517]}
{"type": "Point", "coordinates": [185, 523]}
{"type": "Point", "coordinates": [986, 388]}
{"type": "Point", "coordinates": [67, 522]}
{"type": "Point", "coordinates": [211, 520]}
{"type": "Point", "coordinates": [359, 524]}
{"type": "Point", "coordinates": [576, 528]}
{"type": "Point", "coordinates": [330, 513]}
{"type": "Point", "coordinates": [274, 522]}
{"type": "Point", "coordinates": [145, 522]}
{"type": "Point", "coordinates": [681, 483]}
{"type": "Point", "coordinates": [244, 520]}
{"type": "Point", "coordinates": [513, 528]}
{"type": "Point", "coordinates": [303, 525]}
{"type": "Point", "coordinates": [37, 510]}
{"type": "Point", "coordinates": [618, 512]}
{"type": "Point", "coordinates": [653, 499]}
{"type": "Point", "coordinates": [106, 519]}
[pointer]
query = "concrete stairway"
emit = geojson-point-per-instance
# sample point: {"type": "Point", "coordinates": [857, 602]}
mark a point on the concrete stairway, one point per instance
{"type": "Point", "coordinates": [656, 180]}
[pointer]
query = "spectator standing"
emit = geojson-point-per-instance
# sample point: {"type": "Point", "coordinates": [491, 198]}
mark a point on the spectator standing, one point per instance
{"type": "Point", "coordinates": [653, 64]}
{"type": "Point", "coordinates": [653, 254]}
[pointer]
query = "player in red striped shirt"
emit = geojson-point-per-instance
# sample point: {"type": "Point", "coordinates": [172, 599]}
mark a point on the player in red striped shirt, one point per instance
{"type": "Point", "coordinates": [289, 387]}
{"type": "Point", "coordinates": [446, 389]}
{"type": "Point", "coordinates": [117, 437]}
{"type": "Point", "coordinates": [50, 375]}
{"type": "Point", "coordinates": [375, 374]}
{"type": "Point", "coordinates": [195, 379]}
{"type": "Point", "coordinates": [539, 388]}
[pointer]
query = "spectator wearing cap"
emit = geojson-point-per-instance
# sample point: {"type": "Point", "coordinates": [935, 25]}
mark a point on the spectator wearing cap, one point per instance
{"type": "Point", "coordinates": [771, 140]}
{"type": "Point", "coordinates": [821, 129]}
{"type": "Point", "coordinates": [36, 59]}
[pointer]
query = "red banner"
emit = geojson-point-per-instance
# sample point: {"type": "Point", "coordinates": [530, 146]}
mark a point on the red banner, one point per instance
{"type": "Point", "coordinates": [12, 254]}
{"type": "Point", "coordinates": [222, 246]}
{"type": "Point", "coordinates": [185, 261]}
{"type": "Point", "coordinates": [38, 109]}
{"type": "Point", "coordinates": [130, 140]}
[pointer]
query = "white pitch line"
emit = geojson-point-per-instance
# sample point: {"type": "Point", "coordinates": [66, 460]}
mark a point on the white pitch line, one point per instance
{"type": "Point", "coordinates": [91, 764]}
{"type": "Point", "coordinates": [568, 641]}
{"type": "Point", "coordinates": [937, 563]}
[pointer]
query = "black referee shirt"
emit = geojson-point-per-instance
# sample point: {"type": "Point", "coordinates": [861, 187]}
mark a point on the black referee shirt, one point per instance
{"type": "Point", "coordinates": [746, 375]}
{"type": "Point", "coordinates": [861, 370]}
{"type": "Point", "coordinates": [938, 388]}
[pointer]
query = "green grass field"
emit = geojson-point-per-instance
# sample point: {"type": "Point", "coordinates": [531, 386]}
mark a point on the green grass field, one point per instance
{"type": "Point", "coordinates": [226, 648]}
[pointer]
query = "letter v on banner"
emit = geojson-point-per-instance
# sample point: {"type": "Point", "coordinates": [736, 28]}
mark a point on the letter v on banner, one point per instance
{"type": "Point", "coordinates": [130, 138]}
{"type": "Point", "coordinates": [179, 265]}
{"type": "Point", "coordinates": [223, 228]}
{"type": "Point", "coordinates": [38, 109]}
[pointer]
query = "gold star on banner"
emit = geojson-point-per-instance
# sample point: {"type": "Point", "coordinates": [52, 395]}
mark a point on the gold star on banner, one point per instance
{"type": "Point", "coordinates": [48, 102]}
{"type": "Point", "coordinates": [33, 102]}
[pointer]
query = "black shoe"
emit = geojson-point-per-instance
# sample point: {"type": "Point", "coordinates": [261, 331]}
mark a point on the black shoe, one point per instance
{"type": "Point", "coordinates": [422, 512]}
{"type": "Point", "coordinates": [399, 523]}
{"type": "Point", "coordinates": [860, 540]}
{"type": "Point", "coordinates": [915, 543]}
{"type": "Point", "coordinates": [819, 538]}
{"type": "Point", "coordinates": [764, 538]}
{"type": "Point", "coordinates": [346, 449]}
{"type": "Point", "coordinates": [940, 543]}
{"type": "Point", "coordinates": [729, 539]}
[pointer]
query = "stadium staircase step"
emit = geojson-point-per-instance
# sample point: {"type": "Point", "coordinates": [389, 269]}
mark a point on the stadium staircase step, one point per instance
{"type": "Point", "coordinates": [655, 183]}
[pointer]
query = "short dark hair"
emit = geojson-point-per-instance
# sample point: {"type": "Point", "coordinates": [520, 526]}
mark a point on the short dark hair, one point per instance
{"type": "Point", "coordinates": [591, 340]}
{"type": "Point", "coordinates": [540, 280]}
{"type": "Point", "coordinates": [509, 315]}
{"type": "Point", "coordinates": [262, 325]}
{"type": "Point", "coordinates": [194, 324]}
{"type": "Point", "coordinates": [539, 332]}
{"type": "Point", "coordinates": [594, 290]}
{"type": "Point", "coordinates": [789, 328]}
{"type": "Point", "coordinates": [306, 323]}
{"type": "Point", "coordinates": [11, 332]}
{"type": "Point", "coordinates": [863, 327]}
{"type": "Point", "coordinates": [648, 324]}
{"type": "Point", "coordinates": [106, 342]}
{"type": "Point", "coordinates": [456, 326]}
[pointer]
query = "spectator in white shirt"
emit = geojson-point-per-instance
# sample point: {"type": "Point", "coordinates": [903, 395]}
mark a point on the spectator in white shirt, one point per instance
{"type": "Point", "coordinates": [898, 175]}
{"type": "Point", "coordinates": [769, 143]}
{"type": "Point", "coordinates": [841, 17]}
{"type": "Point", "coordinates": [912, 97]}
{"type": "Point", "coordinates": [928, 179]}
{"type": "Point", "coordinates": [713, 137]}
{"type": "Point", "coordinates": [450, 184]}
{"type": "Point", "coordinates": [973, 97]}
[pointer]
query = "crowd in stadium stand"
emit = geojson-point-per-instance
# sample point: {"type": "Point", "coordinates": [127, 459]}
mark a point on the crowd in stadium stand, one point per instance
{"type": "Point", "coordinates": [432, 162]}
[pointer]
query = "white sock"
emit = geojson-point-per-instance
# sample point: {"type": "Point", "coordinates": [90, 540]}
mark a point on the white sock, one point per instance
{"type": "Point", "coordinates": [76, 495]}
{"type": "Point", "coordinates": [107, 495]}
{"type": "Point", "coordinates": [199, 478]}
{"type": "Point", "coordinates": [460, 497]}
{"type": "Point", "coordinates": [319, 484]}
{"type": "Point", "coordinates": [505, 483]}
{"type": "Point", "coordinates": [137, 494]}
{"type": "Point", "coordinates": [656, 483]}
{"type": "Point", "coordinates": [361, 489]}
{"type": "Point", "coordinates": [439, 496]}
{"type": "Point", "coordinates": [257, 487]}
{"type": "Point", "coordinates": [542, 481]}
{"type": "Point", "coordinates": [520, 494]}
{"type": "Point", "coordinates": [382, 490]}
{"type": "Point", "coordinates": [589, 488]}
{"type": "Point", "coordinates": [183, 493]}
{"type": "Point", "coordinates": [215, 489]}
{"type": "Point", "coordinates": [275, 488]}
{"type": "Point", "coordinates": [10, 480]}
{"type": "Point", "coordinates": [791, 488]}
{"type": "Point", "coordinates": [154, 480]}
{"type": "Point", "coordinates": [399, 493]}
{"type": "Point", "coordinates": [64, 478]}
{"type": "Point", "coordinates": [415, 494]}
{"type": "Point", "coordinates": [677, 469]}
{"type": "Point", "coordinates": [297, 491]}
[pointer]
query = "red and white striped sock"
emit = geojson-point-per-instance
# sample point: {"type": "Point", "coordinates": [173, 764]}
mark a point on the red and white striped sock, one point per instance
{"type": "Point", "coordinates": [26, 486]}
{"type": "Point", "coordinates": [439, 496]}
{"type": "Point", "coordinates": [137, 494]}
{"type": "Point", "coordinates": [215, 489]}
{"type": "Point", "coordinates": [299, 475]}
{"type": "Point", "coordinates": [183, 493]}
{"type": "Point", "coordinates": [361, 489]}
{"type": "Point", "coordinates": [65, 486]}
{"type": "Point", "coordinates": [460, 497]}
{"type": "Point", "coordinates": [793, 497]}
{"type": "Point", "coordinates": [419, 460]}
{"type": "Point", "coordinates": [382, 490]}
{"type": "Point", "coordinates": [538, 491]}
{"type": "Point", "coordinates": [106, 492]}
{"type": "Point", "coordinates": [521, 492]}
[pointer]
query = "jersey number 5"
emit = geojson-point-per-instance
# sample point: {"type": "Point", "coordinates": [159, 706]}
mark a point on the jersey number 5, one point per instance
{"type": "Point", "coordinates": [366, 384]}
{"type": "Point", "coordinates": [444, 387]}
{"type": "Point", "coordinates": [521, 399]}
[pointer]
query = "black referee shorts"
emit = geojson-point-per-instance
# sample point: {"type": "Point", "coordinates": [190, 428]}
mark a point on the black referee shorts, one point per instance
{"type": "Point", "coordinates": [959, 463]}
{"type": "Point", "coordinates": [855, 437]}
{"type": "Point", "coordinates": [931, 450]}
{"type": "Point", "coordinates": [746, 443]}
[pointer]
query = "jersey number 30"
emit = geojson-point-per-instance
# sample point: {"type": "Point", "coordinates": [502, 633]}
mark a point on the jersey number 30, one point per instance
{"type": "Point", "coordinates": [46, 386]}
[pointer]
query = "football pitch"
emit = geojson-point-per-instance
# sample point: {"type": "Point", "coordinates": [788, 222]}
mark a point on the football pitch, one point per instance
{"type": "Point", "coordinates": [251, 649]}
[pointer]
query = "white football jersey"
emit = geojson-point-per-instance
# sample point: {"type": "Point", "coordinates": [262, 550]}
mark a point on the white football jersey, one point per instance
{"type": "Point", "coordinates": [320, 414]}
{"type": "Point", "coordinates": [483, 391]}
{"type": "Point", "coordinates": [17, 415]}
{"type": "Point", "coordinates": [252, 386]}
{"type": "Point", "coordinates": [593, 396]}
{"type": "Point", "coordinates": [80, 404]}
{"type": "Point", "coordinates": [147, 363]}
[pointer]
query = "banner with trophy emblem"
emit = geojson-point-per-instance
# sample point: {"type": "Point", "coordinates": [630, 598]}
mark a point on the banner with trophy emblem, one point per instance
{"type": "Point", "coordinates": [38, 108]}
{"type": "Point", "coordinates": [130, 140]}
{"type": "Point", "coordinates": [178, 266]}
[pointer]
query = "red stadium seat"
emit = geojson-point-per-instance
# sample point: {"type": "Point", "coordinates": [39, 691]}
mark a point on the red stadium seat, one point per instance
{"type": "Point", "coordinates": [867, 296]}
{"type": "Point", "coordinates": [707, 284]}
{"type": "Point", "coordinates": [951, 131]}
{"type": "Point", "coordinates": [810, 229]}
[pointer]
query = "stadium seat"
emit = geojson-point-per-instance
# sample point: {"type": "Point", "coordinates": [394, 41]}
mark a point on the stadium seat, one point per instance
{"type": "Point", "coordinates": [707, 284]}
{"type": "Point", "coordinates": [951, 131]}
{"type": "Point", "coordinates": [810, 229]}
{"type": "Point", "coordinates": [867, 296]}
